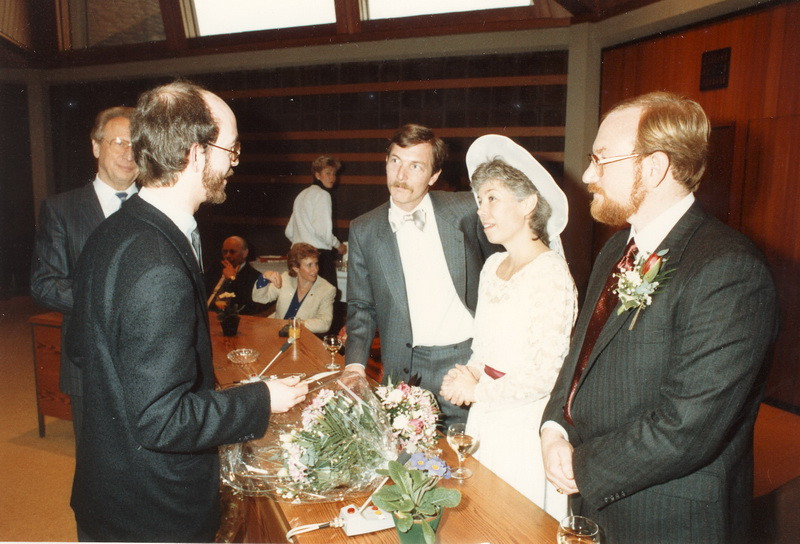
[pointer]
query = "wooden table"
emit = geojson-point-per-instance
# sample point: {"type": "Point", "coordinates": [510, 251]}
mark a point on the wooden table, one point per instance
{"type": "Point", "coordinates": [490, 510]}
{"type": "Point", "coordinates": [46, 339]}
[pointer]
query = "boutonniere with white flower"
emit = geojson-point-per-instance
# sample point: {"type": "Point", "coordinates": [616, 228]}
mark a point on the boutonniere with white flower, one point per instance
{"type": "Point", "coordinates": [635, 288]}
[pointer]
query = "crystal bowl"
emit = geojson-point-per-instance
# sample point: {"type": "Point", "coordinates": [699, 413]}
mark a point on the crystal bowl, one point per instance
{"type": "Point", "coordinates": [243, 356]}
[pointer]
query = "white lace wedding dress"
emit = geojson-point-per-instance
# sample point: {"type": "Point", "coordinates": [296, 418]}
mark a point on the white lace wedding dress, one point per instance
{"type": "Point", "coordinates": [522, 328]}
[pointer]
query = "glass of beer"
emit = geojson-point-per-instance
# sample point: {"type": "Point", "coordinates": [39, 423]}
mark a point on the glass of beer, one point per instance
{"type": "Point", "coordinates": [463, 444]}
{"type": "Point", "coordinates": [294, 328]}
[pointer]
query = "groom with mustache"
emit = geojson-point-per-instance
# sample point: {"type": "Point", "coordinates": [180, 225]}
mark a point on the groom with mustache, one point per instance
{"type": "Point", "coordinates": [413, 271]}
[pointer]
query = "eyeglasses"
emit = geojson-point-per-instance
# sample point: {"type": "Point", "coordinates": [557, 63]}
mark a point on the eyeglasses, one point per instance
{"type": "Point", "coordinates": [119, 144]}
{"type": "Point", "coordinates": [235, 151]}
{"type": "Point", "coordinates": [598, 162]}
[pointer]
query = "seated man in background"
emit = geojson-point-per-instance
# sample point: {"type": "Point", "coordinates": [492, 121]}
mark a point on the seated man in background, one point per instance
{"type": "Point", "coordinates": [238, 276]}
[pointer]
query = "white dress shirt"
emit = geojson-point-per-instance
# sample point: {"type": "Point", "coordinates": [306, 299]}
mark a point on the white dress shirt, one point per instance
{"type": "Point", "coordinates": [107, 195]}
{"type": "Point", "coordinates": [438, 317]}
{"type": "Point", "coordinates": [311, 221]}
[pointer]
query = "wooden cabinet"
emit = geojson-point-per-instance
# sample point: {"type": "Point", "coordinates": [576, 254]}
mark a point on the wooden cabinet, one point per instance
{"type": "Point", "coordinates": [46, 336]}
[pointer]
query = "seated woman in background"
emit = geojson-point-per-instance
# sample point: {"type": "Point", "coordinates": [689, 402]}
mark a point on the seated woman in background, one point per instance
{"type": "Point", "coordinates": [527, 304]}
{"type": "Point", "coordinates": [299, 291]}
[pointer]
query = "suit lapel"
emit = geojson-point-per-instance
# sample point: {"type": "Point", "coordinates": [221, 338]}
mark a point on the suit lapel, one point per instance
{"type": "Point", "coordinates": [91, 212]}
{"type": "Point", "coordinates": [153, 216]}
{"type": "Point", "coordinates": [452, 244]}
{"type": "Point", "coordinates": [676, 242]}
{"type": "Point", "coordinates": [388, 253]}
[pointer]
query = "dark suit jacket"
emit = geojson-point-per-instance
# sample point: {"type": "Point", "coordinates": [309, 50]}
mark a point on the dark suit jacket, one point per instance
{"type": "Point", "coordinates": [146, 464]}
{"type": "Point", "coordinates": [664, 413]}
{"type": "Point", "coordinates": [376, 288]}
{"type": "Point", "coordinates": [65, 222]}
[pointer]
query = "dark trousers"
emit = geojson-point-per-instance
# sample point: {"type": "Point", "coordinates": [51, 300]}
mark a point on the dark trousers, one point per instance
{"type": "Point", "coordinates": [327, 265]}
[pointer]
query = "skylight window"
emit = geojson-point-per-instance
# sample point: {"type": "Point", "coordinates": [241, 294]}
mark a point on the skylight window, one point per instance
{"type": "Point", "coordinates": [386, 9]}
{"type": "Point", "coordinates": [231, 16]}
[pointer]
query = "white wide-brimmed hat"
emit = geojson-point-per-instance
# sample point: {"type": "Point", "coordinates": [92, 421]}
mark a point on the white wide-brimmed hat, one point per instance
{"type": "Point", "coordinates": [495, 146]}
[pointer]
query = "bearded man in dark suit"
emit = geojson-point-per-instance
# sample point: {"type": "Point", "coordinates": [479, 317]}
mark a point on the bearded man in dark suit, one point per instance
{"type": "Point", "coordinates": [147, 467]}
{"type": "Point", "coordinates": [65, 222]}
{"type": "Point", "coordinates": [413, 271]}
{"type": "Point", "coordinates": [650, 425]}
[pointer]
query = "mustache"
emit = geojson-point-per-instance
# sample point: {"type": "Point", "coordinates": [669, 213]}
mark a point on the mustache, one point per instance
{"type": "Point", "coordinates": [595, 189]}
{"type": "Point", "coordinates": [400, 185]}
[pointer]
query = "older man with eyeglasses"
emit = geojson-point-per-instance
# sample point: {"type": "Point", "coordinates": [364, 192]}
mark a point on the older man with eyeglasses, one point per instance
{"type": "Point", "coordinates": [66, 220]}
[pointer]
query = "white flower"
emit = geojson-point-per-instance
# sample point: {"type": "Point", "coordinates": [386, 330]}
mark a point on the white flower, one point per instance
{"type": "Point", "coordinates": [400, 422]}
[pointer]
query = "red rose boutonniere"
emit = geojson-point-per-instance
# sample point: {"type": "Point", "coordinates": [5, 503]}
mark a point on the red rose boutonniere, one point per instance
{"type": "Point", "coordinates": [636, 287]}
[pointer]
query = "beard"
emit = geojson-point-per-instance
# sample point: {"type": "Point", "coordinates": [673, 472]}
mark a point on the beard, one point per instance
{"type": "Point", "coordinates": [617, 213]}
{"type": "Point", "coordinates": [214, 183]}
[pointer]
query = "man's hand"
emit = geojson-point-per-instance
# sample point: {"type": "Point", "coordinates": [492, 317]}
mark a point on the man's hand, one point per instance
{"type": "Point", "coordinates": [285, 393]}
{"type": "Point", "coordinates": [557, 456]}
{"type": "Point", "coordinates": [342, 249]}
{"type": "Point", "coordinates": [228, 270]}
{"type": "Point", "coordinates": [274, 278]}
{"type": "Point", "coordinates": [357, 368]}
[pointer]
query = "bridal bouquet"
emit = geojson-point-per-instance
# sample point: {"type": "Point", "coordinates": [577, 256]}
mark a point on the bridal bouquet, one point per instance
{"type": "Point", "coordinates": [326, 448]}
{"type": "Point", "coordinates": [412, 412]}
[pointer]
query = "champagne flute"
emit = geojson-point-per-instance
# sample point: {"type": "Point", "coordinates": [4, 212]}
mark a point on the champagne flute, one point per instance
{"type": "Point", "coordinates": [333, 344]}
{"type": "Point", "coordinates": [463, 444]}
{"type": "Point", "coordinates": [578, 530]}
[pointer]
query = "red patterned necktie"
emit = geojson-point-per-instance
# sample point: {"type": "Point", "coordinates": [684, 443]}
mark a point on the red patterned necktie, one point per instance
{"type": "Point", "coordinates": [607, 301]}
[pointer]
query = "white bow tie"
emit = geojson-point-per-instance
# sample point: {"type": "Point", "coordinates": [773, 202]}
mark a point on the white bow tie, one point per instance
{"type": "Point", "coordinates": [418, 218]}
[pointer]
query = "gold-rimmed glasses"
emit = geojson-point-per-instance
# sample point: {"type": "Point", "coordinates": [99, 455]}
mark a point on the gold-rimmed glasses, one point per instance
{"type": "Point", "coordinates": [119, 144]}
{"type": "Point", "coordinates": [235, 152]}
{"type": "Point", "coordinates": [599, 162]}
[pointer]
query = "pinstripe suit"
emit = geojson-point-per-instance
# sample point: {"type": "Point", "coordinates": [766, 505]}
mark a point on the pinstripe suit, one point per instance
{"type": "Point", "coordinates": [65, 222]}
{"type": "Point", "coordinates": [664, 413]}
{"type": "Point", "coordinates": [376, 289]}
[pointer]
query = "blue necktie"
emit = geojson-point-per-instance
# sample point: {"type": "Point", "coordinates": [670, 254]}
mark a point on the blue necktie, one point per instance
{"type": "Point", "coordinates": [122, 197]}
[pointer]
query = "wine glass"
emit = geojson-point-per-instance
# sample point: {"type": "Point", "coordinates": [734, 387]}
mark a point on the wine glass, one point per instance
{"type": "Point", "coordinates": [578, 530]}
{"type": "Point", "coordinates": [463, 444]}
{"type": "Point", "coordinates": [333, 344]}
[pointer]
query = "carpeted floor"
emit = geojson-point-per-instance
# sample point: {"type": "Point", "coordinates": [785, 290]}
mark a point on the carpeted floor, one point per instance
{"type": "Point", "coordinates": [36, 473]}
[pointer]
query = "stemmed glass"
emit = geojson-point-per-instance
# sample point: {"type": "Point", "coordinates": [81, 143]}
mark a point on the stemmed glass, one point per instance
{"type": "Point", "coordinates": [333, 344]}
{"type": "Point", "coordinates": [578, 530]}
{"type": "Point", "coordinates": [463, 444]}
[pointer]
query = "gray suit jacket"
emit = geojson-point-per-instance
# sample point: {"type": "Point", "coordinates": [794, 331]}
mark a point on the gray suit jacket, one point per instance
{"type": "Point", "coordinates": [65, 222]}
{"type": "Point", "coordinates": [146, 466]}
{"type": "Point", "coordinates": [376, 288]}
{"type": "Point", "coordinates": [664, 413]}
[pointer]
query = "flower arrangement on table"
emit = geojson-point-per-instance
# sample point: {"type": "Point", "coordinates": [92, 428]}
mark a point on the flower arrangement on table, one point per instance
{"type": "Point", "coordinates": [415, 495]}
{"type": "Point", "coordinates": [413, 412]}
{"type": "Point", "coordinates": [225, 305]}
{"type": "Point", "coordinates": [326, 448]}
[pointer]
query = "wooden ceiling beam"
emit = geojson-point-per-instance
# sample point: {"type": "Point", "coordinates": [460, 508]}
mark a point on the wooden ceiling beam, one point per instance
{"type": "Point", "coordinates": [173, 25]}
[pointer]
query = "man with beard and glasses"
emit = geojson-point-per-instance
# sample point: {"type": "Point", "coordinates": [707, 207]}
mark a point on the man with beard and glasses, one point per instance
{"type": "Point", "coordinates": [413, 271]}
{"type": "Point", "coordinates": [147, 467]}
{"type": "Point", "coordinates": [649, 427]}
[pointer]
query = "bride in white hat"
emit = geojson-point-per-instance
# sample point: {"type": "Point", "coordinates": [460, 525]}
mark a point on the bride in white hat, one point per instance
{"type": "Point", "coordinates": [527, 305]}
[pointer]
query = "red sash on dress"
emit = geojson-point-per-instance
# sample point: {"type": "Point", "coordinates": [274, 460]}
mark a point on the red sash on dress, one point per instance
{"type": "Point", "coordinates": [492, 373]}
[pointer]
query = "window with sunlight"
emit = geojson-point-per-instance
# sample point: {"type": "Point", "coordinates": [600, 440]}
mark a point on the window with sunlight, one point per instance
{"type": "Point", "coordinates": [385, 9]}
{"type": "Point", "coordinates": [229, 16]}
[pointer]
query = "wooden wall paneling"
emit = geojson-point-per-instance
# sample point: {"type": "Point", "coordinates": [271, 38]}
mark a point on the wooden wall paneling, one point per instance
{"type": "Point", "coordinates": [771, 218]}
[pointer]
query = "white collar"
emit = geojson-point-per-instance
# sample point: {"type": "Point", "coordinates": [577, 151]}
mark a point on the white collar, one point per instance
{"type": "Point", "coordinates": [425, 204]}
{"type": "Point", "coordinates": [656, 230]}
{"type": "Point", "coordinates": [161, 201]}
